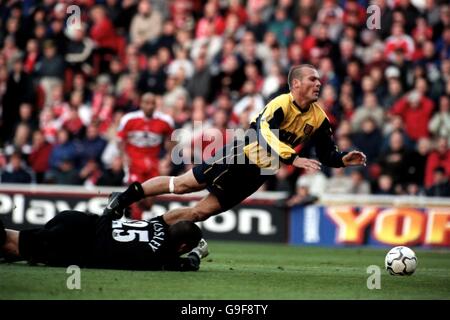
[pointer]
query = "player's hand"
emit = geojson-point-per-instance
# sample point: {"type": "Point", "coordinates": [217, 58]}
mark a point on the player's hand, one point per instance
{"type": "Point", "coordinates": [308, 164]}
{"type": "Point", "coordinates": [354, 158]}
{"type": "Point", "coordinates": [113, 207]}
{"type": "Point", "coordinates": [201, 250]}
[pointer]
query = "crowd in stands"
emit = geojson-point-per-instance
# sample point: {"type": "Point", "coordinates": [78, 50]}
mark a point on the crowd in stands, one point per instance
{"type": "Point", "coordinates": [66, 82]}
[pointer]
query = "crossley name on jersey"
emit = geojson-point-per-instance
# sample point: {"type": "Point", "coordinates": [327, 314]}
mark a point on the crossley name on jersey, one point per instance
{"type": "Point", "coordinates": [158, 235]}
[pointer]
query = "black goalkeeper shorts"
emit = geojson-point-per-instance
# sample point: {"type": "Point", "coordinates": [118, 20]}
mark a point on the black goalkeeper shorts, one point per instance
{"type": "Point", "coordinates": [65, 240]}
{"type": "Point", "coordinates": [229, 181]}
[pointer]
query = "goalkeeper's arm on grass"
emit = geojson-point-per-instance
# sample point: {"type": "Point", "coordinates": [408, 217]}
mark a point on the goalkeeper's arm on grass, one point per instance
{"type": "Point", "coordinates": [192, 261]}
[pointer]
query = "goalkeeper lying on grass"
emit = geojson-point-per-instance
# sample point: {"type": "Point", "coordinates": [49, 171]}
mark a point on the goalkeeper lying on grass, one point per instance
{"type": "Point", "coordinates": [92, 241]}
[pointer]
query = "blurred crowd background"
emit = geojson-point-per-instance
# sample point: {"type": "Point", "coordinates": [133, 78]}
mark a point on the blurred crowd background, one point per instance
{"type": "Point", "coordinates": [63, 90]}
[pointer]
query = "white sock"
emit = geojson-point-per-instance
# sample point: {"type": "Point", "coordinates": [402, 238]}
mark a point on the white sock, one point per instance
{"type": "Point", "coordinates": [171, 185]}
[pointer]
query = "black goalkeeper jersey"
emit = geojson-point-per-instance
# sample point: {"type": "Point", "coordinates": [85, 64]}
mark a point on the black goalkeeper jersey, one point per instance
{"type": "Point", "coordinates": [137, 245]}
{"type": "Point", "coordinates": [88, 240]}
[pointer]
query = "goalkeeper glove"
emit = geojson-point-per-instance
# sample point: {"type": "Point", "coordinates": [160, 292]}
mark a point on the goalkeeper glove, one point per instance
{"type": "Point", "coordinates": [201, 250]}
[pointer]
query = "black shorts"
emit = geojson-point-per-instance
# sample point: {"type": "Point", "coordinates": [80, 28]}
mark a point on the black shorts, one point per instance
{"type": "Point", "coordinates": [66, 239]}
{"type": "Point", "coordinates": [229, 181]}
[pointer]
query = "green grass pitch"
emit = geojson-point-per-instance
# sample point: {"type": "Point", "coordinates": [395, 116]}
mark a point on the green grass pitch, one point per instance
{"type": "Point", "coordinates": [238, 270]}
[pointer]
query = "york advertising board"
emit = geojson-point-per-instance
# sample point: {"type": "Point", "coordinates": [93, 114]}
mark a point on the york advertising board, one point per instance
{"type": "Point", "coordinates": [370, 225]}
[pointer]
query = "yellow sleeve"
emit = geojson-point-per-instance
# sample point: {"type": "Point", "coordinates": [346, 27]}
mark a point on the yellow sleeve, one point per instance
{"type": "Point", "coordinates": [268, 124]}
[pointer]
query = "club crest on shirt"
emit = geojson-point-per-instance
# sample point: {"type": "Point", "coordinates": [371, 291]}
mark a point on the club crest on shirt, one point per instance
{"type": "Point", "coordinates": [307, 130]}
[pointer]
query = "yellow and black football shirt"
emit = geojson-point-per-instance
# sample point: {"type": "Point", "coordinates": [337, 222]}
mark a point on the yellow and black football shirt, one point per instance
{"type": "Point", "coordinates": [282, 126]}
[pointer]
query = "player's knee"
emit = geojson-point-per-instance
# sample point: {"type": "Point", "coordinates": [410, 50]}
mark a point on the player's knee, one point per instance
{"type": "Point", "coordinates": [200, 214]}
{"type": "Point", "coordinates": [181, 187]}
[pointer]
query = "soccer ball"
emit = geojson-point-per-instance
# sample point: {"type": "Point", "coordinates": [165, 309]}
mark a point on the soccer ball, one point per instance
{"type": "Point", "coordinates": [401, 261]}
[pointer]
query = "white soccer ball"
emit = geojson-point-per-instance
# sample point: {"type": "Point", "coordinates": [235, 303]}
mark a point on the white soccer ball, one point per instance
{"type": "Point", "coordinates": [401, 261]}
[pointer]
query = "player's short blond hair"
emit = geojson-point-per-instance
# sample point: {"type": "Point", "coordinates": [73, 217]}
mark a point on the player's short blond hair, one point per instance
{"type": "Point", "coordinates": [296, 72]}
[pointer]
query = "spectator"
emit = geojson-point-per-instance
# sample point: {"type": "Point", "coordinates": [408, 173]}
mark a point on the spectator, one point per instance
{"type": "Point", "coordinates": [21, 141]}
{"type": "Point", "coordinates": [16, 90]}
{"type": "Point", "coordinates": [40, 155]}
{"type": "Point", "coordinates": [31, 56]}
{"type": "Point", "coordinates": [256, 25]}
{"type": "Point", "coordinates": [90, 173]}
{"type": "Point", "coordinates": [50, 69]}
{"type": "Point", "coordinates": [385, 185]}
{"type": "Point", "coordinates": [181, 65]}
{"type": "Point", "coordinates": [316, 183]}
{"type": "Point", "coordinates": [339, 182]}
{"type": "Point", "coordinates": [174, 91]}
{"type": "Point", "coordinates": [146, 25]}
{"type": "Point", "coordinates": [302, 196]}
{"type": "Point", "coordinates": [394, 88]}
{"type": "Point", "coordinates": [251, 100]}
{"type": "Point", "coordinates": [56, 32]}
{"type": "Point", "coordinates": [64, 174]}
{"type": "Point", "coordinates": [211, 21]}
{"type": "Point", "coordinates": [441, 185]}
{"type": "Point", "coordinates": [79, 50]}
{"type": "Point", "coordinates": [282, 26]}
{"type": "Point", "coordinates": [418, 160]}
{"type": "Point", "coordinates": [329, 76]}
{"type": "Point", "coordinates": [370, 108]}
{"type": "Point", "coordinates": [199, 84]}
{"type": "Point", "coordinates": [399, 41]}
{"type": "Point", "coordinates": [72, 122]}
{"type": "Point", "coordinates": [368, 139]}
{"type": "Point", "coordinates": [113, 176]}
{"type": "Point", "coordinates": [393, 162]}
{"type": "Point", "coordinates": [359, 184]}
{"type": "Point", "coordinates": [153, 78]}
{"type": "Point", "coordinates": [63, 151]}
{"type": "Point", "coordinates": [439, 124]}
{"type": "Point", "coordinates": [27, 116]}
{"type": "Point", "coordinates": [167, 39]}
{"type": "Point", "coordinates": [92, 146]}
{"type": "Point", "coordinates": [16, 171]}
{"type": "Point", "coordinates": [415, 110]}
{"type": "Point", "coordinates": [247, 52]}
{"type": "Point", "coordinates": [104, 35]}
{"type": "Point", "coordinates": [438, 158]}
{"type": "Point", "coordinates": [83, 110]}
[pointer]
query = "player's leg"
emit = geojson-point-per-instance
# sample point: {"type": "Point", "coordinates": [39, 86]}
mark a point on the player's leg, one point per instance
{"type": "Point", "coordinates": [11, 246]}
{"type": "Point", "coordinates": [204, 209]}
{"type": "Point", "coordinates": [9, 242]}
{"type": "Point", "coordinates": [184, 183]}
{"type": "Point", "coordinates": [138, 208]}
{"type": "Point", "coordinates": [2, 234]}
